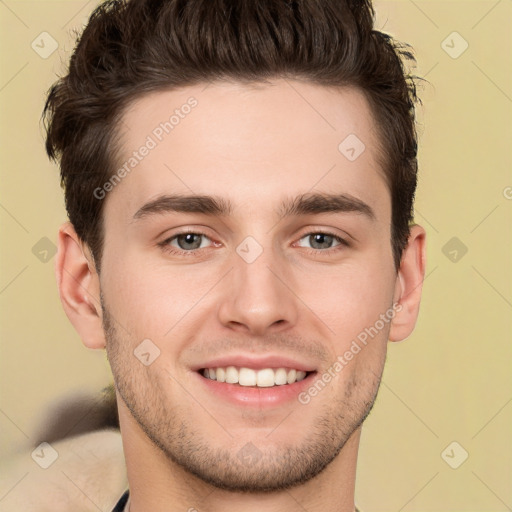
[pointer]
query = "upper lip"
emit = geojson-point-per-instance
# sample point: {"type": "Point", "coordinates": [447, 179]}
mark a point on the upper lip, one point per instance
{"type": "Point", "coordinates": [256, 362]}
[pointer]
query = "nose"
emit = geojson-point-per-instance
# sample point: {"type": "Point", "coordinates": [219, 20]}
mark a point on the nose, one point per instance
{"type": "Point", "coordinates": [258, 297]}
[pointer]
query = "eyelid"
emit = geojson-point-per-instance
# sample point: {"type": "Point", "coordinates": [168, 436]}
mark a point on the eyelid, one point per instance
{"type": "Point", "coordinates": [202, 235]}
{"type": "Point", "coordinates": [342, 241]}
{"type": "Point", "coordinates": [338, 233]}
{"type": "Point", "coordinates": [166, 243]}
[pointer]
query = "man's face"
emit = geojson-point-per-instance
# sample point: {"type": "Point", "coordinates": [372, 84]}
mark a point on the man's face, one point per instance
{"type": "Point", "coordinates": [261, 286]}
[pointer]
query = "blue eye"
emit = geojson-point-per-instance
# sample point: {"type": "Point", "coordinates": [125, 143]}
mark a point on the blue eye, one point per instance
{"type": "Point", "coordinates": [188, 241]}
{"type": "Point", "coordinates": [185, 243]}
{"type": "Point", "coordinates": [320, 241]}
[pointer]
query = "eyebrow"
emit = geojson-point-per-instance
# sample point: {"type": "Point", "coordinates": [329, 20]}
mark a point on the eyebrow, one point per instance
{"type": "Point", "coordinates": [304, 204]}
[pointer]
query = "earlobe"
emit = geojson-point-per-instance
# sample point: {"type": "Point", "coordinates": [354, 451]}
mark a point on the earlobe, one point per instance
{"type": "Point", "coordinates": [409, 284]}
{"type": "Point", "coordinates": [79, 287]}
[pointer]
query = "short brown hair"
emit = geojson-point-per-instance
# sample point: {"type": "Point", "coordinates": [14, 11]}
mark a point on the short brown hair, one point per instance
{"type": "Point", "coordinates": [132, 47]}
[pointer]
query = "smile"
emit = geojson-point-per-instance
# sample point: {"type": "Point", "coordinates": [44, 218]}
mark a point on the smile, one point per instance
{"type": "Point", "coordinates": [247, 377]}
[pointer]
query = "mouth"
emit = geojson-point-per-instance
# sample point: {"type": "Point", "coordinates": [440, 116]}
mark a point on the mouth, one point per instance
{"type": "Point", "coordinates": [248, 380]}
{"type": "Point", "coordinates": [255, 378]}
{"type": "Point", "coordinates": [263, 387]}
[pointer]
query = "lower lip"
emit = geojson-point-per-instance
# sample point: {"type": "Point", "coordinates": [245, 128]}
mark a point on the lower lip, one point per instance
{"type": "Point", "coordinates": [254, 396]}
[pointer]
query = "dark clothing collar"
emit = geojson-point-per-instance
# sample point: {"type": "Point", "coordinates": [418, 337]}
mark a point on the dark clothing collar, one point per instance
{"type": "Point", "coordinates": [121, 503]}
{"type": "Point", "coordinates": [124, 498]}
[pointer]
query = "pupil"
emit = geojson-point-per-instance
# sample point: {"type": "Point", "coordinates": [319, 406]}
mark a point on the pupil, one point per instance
{"type": "Point", "coordinates": [322, 240]}
{"type": "Point", "coordinates": [188, 238]}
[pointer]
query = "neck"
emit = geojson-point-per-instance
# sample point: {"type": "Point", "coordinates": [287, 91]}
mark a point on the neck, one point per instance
{"type": "Point", "coordinates": [158, 484]}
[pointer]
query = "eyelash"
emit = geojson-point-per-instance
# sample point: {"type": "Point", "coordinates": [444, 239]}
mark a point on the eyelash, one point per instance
{"type": "Point", "coordinates": [165, 245]}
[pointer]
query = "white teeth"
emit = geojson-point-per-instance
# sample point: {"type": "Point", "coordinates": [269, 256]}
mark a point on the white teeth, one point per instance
{"type": "Point", "coordinates": [281, 377]}
{"type": "Point", "coordinates": [246, 377]}
{"type": "Point", "coordinates": [221, 375]}
{"type": "Point", "coordinates": [231, 375]}
{"type": "Point", "coordinates": [264, 378]}
{"type": "Point", "coordinates": [300, 375]}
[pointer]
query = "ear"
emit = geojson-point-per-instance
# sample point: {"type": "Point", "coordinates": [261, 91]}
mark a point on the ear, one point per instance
{"type": "Point", "coordinates": [79, 287]}
{"type": "Point", "coordinates": [408, 285]}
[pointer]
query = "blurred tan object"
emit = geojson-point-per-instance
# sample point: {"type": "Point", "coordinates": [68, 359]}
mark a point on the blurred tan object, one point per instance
{"type": "Point", "coordinates": [75, 460]}
{"type": "Point", "coordinates": [85, 473]}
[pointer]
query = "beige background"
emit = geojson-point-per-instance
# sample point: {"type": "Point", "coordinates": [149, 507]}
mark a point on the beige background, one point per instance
{"type": "Point", "coordinates": [450, 381]}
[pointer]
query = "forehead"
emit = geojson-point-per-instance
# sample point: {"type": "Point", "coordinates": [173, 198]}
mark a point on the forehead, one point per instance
{"type": "Point", "coordinates": [253, 144]}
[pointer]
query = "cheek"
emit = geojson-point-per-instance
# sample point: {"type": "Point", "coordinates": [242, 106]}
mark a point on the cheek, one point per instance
{"type": "Point", "coordinates": [155, 300]}
{"type": "Point", "coordinates": [348, 298]}
{"type": "Point", "coordinates": [149, 300]}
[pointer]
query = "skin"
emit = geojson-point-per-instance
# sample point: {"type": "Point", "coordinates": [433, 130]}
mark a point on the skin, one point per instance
{"type": "Point", "coordinates": [255, 146]}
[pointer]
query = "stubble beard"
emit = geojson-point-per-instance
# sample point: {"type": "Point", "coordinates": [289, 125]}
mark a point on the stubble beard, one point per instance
{"type": "Point", "coordinates": [246, 468]}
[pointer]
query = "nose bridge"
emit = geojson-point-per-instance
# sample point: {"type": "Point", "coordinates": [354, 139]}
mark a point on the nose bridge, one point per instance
{"type": "Point", "coordinates": [257, 298]}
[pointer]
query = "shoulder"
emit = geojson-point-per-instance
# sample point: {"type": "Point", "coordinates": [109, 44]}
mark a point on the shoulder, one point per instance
{"type": "Point", "coordinates": [87, 472]}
